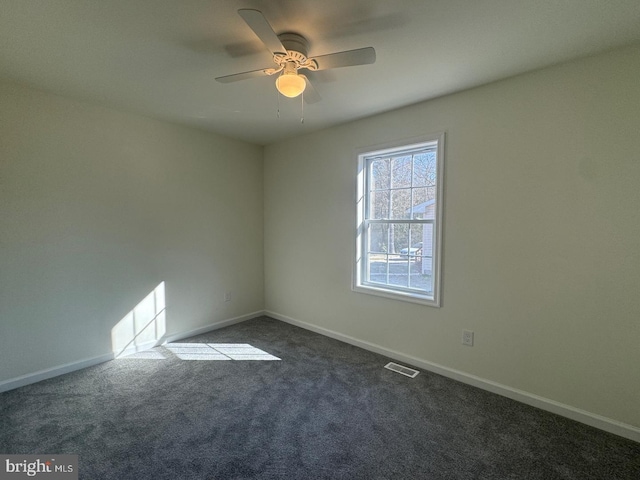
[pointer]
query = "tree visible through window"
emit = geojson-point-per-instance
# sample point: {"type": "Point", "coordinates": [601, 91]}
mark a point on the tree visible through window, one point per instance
{"type": "Point", "coordinates": [399, 211]}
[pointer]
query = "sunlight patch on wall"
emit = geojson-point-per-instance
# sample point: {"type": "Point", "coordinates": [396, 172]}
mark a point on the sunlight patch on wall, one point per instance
{"type": "Point", "coordinates": [142, 327]}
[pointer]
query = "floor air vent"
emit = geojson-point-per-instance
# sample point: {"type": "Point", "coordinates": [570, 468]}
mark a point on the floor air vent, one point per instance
{"type": "Point", "coordinates": [409, 372]}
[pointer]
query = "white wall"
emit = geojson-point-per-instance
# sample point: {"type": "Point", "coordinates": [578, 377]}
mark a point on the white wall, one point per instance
{"type": "Point", "coordinates": [541, 239]}
{"type": "Point", "coordinates": [541, 250]}
{"type": "Point", "coordinates": [98, 207]}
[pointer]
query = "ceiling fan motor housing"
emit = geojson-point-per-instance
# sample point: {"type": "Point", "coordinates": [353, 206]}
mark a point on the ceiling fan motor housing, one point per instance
{"type": "Point", "coordinates": [297, 47]}
{"type": "Point", "coordinates": [294, 43]}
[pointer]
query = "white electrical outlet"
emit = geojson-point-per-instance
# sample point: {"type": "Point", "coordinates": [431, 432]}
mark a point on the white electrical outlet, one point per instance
{"type": "Point", "coordinates": [467, 338]}
{"type": "Point", "coordinates": [227, 296]}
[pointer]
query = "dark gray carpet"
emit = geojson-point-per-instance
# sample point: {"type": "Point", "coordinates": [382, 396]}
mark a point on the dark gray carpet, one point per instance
{"type": "Point", "coordinates": [327, 410]}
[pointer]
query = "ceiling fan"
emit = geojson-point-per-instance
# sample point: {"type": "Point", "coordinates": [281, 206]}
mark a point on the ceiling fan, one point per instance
{"type": "Point", "coordinates": [289, 52]}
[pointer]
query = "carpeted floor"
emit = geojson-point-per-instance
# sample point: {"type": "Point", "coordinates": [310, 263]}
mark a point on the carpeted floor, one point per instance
{"type": "Point", "coordinates": [325, 410]}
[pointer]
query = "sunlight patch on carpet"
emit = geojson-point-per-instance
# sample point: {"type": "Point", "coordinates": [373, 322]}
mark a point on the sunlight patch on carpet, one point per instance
{"type": "Point", "coordinates": [152, 354]}
{"type": "Point", "coordinates": [218, 351]}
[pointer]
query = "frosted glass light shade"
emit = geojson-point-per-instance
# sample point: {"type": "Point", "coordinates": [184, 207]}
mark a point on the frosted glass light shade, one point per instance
{"type": "Point", "coordinates": [290, 84]}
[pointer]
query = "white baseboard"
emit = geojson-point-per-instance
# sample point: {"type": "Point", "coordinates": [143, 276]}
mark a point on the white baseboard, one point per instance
{"type": "Point", "coordinates": [89, 362]}
{"type": "Point", "coordinates": [131, 349]}
{"type": "Point", "coordinates": [47, 373]}
{"type": "Point", "coordinates": [588, 418]}
{"type": "Point", "coordinates": [209, 328]}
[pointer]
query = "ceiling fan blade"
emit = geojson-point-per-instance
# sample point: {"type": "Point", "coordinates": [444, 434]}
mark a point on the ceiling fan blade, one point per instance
{"type": "Point", "coordinates": [241, 76]}
{"type": "Point", "coordinates": [262, 29]}
{"type": "Point", "coordinates": [360, 56]}
{"type": "Point", "coordinates": [311, 95]}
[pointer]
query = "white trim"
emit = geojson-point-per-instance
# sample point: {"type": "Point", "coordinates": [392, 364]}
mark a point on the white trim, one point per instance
{"type": "Point", "coordinates": [136, 348]}
{"type": "Point", "coordinates": [358, 283]}
{"type": "Point", "coordinates": [47, 373]}
{"type": "Point", "coordinates": [209, 328]}
{"type": "Point", "coordinates": [380, 291]}
{"type": "Point", "coordinates": [603, 423]}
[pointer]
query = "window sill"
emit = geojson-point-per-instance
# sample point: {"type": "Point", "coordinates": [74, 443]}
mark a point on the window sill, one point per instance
{"type": "Point", "coordinates": [428, 300]}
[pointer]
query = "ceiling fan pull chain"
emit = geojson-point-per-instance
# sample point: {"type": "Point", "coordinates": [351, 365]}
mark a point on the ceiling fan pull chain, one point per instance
{"type": "Point", "coordinates": [302, 108]}
{"type": "Point", "coordinates": [278, 101]}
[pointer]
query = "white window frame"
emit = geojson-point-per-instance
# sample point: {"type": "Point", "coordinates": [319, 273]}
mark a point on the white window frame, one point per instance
{"type": "Point", "coordinates": [360, 283]}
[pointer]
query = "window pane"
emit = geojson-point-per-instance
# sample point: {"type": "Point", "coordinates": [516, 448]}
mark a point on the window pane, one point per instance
{"type": "Point", "coordinates": [400, 203]}
{"type": "Point", "coordinates": [420, 202]}
{"type": "Point", "coordinates": [379, 207]}
{"type": "Point", "coordinates": [377, 255]}
{"type": "Point", "coordinates": [378, 238]}
{"type": "Point", "coordinates": [418, 262]}
{"type": "Point", "coordinates": [419, 278]}
{"type": "Point", "coordinates": [401, 172]}
{"type": "Point", "coordinates": [398, 270]}
{"type": "Point", "coordinates": [416, 238]}
{"type": "Point", "coordinates": [380, 174]}
{"type": "Point", "coordinates": [428, 238]}
{"type": "Point", "coordinates": [378, 268]}
{"type": "Point", "coordinates": [398, 236]}
{"type": "Point", "coordinates": [424, 169]}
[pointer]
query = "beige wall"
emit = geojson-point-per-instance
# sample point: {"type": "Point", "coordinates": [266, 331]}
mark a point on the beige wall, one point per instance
{"type": "Point", "coordinates": [98, 207]}
{"type": "Point", "coordinates": [541, 239]}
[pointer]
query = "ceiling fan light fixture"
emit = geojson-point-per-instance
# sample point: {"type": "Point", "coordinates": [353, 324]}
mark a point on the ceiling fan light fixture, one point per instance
{"type": "Point", "coordinates": [290, 55]}
{"type": "Point", "coordinates": [290, 84]}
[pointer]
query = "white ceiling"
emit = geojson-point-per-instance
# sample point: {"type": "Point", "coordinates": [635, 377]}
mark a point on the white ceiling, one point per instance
{"type": "Point", "coordinates": [160, 57]}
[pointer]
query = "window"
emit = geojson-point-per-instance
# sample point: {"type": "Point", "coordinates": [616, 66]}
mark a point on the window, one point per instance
{"type": "Point", "coordinates": [399, 218]}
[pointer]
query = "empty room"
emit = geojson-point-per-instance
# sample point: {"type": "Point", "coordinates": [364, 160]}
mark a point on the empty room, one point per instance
{"type": "Point", "coordinates": [338, 239]}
